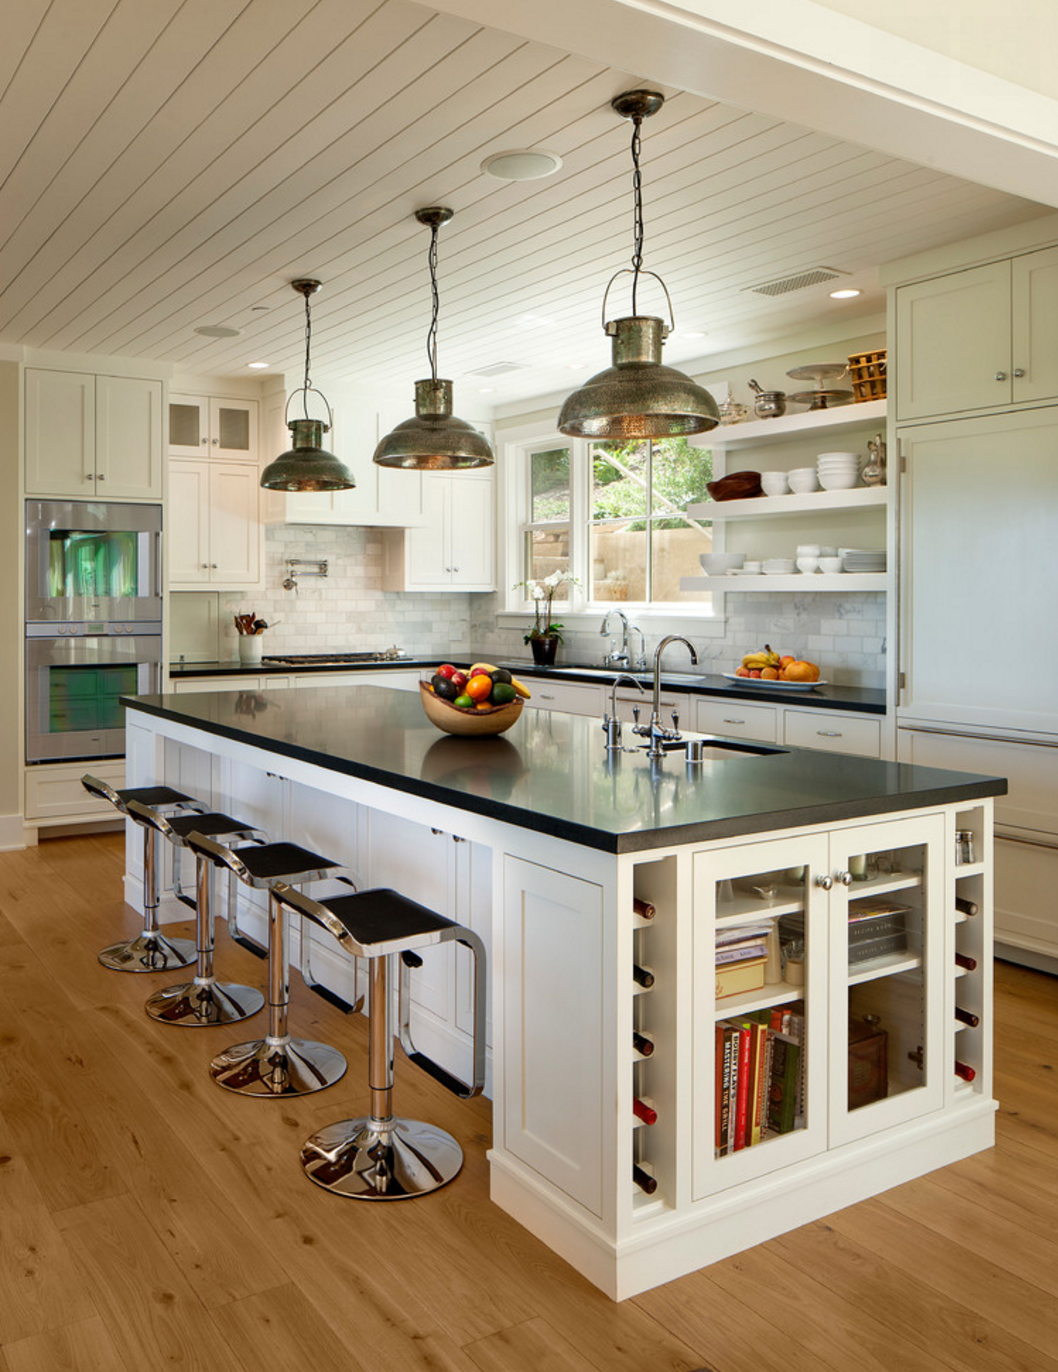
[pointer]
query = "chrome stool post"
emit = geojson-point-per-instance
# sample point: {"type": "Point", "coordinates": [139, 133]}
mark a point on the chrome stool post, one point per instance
{"type": "Point", "coordinates": [278, 1064]}
{"type": "Point", "coordinates": [203, 1000]}
{"type": "Point", "coordinates": [150, 950]}
{"type": "Point", "coordinates": [381, 1156]}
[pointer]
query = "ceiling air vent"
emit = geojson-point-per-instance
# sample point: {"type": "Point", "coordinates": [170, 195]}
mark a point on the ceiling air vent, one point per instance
{"type": "Point", "coordinates": [497, 369]}
{"type": "Point", "coordinates": [814, 276]}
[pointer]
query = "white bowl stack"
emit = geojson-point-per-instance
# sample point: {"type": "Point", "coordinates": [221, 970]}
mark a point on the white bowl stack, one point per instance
{"type": "Point", "coordinates": [803, 480]}
{"type": "Point", "coordinates": [838, 471]}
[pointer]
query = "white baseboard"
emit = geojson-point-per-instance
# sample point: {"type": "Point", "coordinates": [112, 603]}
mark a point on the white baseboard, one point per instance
{"type": "Point", "coordinates": [15, 833]}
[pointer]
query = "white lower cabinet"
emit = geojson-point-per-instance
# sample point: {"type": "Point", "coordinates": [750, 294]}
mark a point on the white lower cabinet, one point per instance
{"type": "Point", "coordinates": [736, 719]}
{"type": "Point", "coordinates": [575, 698]}
{"type": "Point", "coordinates": [834, 733]}
{"type": "Point", "coordinates": [53, 791]}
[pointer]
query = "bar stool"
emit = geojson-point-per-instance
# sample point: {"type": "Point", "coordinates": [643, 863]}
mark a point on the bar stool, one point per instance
{"type": "Point", "coordinates": [381, 1156]}
{"type": "Point", "coordinates": [204, 1000]}
{"type": "Point", "coordinates": [276, 1065]}
{"type": "Point", "coordinates": [149, 951]}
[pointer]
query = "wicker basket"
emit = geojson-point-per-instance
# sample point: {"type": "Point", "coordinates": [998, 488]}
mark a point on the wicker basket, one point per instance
{"type": "Point", "coordinates": [867, 371]}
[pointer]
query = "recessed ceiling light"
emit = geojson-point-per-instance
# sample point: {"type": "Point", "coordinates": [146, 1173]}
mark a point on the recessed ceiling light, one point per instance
{"type": "Point", "coordinates": [486, 390]}
{"type": "Point", "coordinates": [217, 331]}
{"type": "Point", "coordinates": [577, 366]}
{"type": "Point", "coordinates": [258, 366]}
{"type": "Point", "coordinates": [521, 165]}
{"type": "Point", "coordinates": [843, 295]}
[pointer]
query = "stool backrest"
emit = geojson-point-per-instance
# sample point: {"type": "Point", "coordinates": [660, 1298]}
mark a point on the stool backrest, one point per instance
{"type": "Point", "coordinates": [151, 819]}
{"type": "Point", "coordinates": [102, 790]}
{"type": "Point", "coordinates": [217, 854]}
{"type": "Point", "coordinates": [318, 913]}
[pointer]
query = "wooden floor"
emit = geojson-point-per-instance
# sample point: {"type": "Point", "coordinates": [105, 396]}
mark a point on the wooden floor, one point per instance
{"type": "Point", "coordinates": [150, 1221]}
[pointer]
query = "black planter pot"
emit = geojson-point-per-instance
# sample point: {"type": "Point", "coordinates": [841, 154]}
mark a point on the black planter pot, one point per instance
{"type": "Point", "coordinates": [544, 650]}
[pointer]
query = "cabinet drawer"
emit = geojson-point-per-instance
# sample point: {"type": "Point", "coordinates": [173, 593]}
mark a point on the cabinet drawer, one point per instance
{"type": "Point", "coordinates": [833, 733]}
{"type": "Point", "coordinates": [737, 719]}
{"type": "Point", "coordinates": [55, 792]}
{"type": "Point", "coordinates": [574, 700]}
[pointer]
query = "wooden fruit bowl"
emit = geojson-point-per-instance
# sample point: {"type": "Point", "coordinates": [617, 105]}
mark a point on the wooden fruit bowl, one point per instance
{"type": "Point", "coordinates": [497, 719]}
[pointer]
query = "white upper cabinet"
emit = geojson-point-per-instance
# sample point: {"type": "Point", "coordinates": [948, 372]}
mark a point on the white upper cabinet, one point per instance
{"type": "Point", "coordinates": [455, 549]}
{"type": "Point", "coordinates": [93, 437]}
{"type": "Point", "coordinates": [214, 531]}
{"type": "Point", "coordinates": [977, 339]}
{"type": "Point", "coordinates": [211, 426]}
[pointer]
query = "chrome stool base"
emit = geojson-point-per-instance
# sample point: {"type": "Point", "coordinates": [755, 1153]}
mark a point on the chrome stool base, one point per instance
{"type": "Point", "coordinates": [373, 1159]}
{"type": "Point", "coordinates": [284, 1067]}
{"type": "Point", "coordinates": [196, 1004]}
{"type": "Point", "coordinates": [148, 953]}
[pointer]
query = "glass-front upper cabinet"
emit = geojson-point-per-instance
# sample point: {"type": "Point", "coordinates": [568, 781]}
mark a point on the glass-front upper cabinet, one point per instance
{"type": "Point", "coordinates": [887, 928]}
{"type": "Point", "coordinates": [201, 426]}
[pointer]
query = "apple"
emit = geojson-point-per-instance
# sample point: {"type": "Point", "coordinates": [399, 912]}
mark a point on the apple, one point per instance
{"type": "Point", "coordinates": [755, 672]}
{"type": "Point", "coordinates": [459, 679]}
{"type": "Point", "coordinates": [445, 669]}
{"type": "Point", "coordinates": [741, 671]}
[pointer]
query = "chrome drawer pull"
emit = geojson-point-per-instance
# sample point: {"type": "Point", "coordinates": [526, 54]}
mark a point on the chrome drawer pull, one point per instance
{"type": "Point", "coordinates": [829, 733]}
{"type": "Point", "coordinates": [734, 721]}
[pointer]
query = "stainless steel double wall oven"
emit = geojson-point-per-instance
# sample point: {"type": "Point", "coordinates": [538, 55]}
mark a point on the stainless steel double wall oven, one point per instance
{"type": "Point", "coordinates": [93, 623]}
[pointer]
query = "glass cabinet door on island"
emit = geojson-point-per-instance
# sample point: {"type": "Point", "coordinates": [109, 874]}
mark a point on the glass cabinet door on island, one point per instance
{"type": "Point", "coordinates": [816, 1019]}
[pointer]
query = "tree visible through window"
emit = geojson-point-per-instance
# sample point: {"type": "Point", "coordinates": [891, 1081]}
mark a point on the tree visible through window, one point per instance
{"type": "Point", "coordinates": [624, 532]}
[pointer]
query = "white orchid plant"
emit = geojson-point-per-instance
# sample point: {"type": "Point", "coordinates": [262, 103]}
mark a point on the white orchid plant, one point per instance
{"type": "Point", "coordinates": [542, 593]}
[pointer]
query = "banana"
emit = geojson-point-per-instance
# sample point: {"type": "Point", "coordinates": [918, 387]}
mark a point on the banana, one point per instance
{"type": "Point", "coordinates": [523, 691]}
{"type": "Point", "coordinates": [756, 661]}
{"type": "Point", "coordinates": [487, 667]}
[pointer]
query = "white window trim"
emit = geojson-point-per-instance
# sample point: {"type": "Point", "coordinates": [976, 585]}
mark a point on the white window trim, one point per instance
{"type": "Point", "coordinates": [579, 614]}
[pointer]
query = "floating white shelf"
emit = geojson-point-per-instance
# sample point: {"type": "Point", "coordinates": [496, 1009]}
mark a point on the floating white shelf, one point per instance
{"type": "Point", "coordinates": [755, 432]}
{"type": "Point", "coordinates": [799, 581]}
{"type": "Point", "coordinates": [763, 506]}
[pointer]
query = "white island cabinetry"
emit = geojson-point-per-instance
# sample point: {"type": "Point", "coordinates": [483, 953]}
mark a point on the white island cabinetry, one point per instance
{"type": "Point", "coordinates": [581, 1035]}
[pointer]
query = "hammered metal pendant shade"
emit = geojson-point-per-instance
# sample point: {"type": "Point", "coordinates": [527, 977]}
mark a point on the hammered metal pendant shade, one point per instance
{"type": "Point", "coordinates": [435, 440]}
{"type": "Point", "coordinates": [307, 465]}
{"type": "Point", "coordinates": [638, 397]}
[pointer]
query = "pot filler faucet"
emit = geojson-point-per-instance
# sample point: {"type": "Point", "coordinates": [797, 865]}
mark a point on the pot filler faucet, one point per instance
{"type": "Point", "coordinates": [622, 657]}
{"type": "Point", "coordinates": [654, 731]}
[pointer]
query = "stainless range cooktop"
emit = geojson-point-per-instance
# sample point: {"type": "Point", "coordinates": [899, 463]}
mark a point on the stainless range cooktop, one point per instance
{"type": "Point", "coordinates": [333, 659]}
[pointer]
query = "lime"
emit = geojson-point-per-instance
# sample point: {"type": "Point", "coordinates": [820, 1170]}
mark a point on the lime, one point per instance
{"type": "Point", "coordinates": [464, 702]}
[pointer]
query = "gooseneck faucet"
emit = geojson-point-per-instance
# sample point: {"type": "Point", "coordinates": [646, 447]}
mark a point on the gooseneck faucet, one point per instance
{"type": "Point", "coordinates": [655, 731]}
{"type": "Point", "coordinates": [616, 658]}
{"type": "Point", "coordinates": [611, 723]}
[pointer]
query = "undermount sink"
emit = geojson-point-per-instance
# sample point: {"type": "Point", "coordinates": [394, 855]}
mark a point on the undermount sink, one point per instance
{"type": "Point", "coordinates": [714, 749]}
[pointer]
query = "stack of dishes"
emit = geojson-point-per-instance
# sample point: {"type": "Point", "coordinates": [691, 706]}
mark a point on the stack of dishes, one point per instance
{"type": "Point", "coordinates": [838, 471]}
{"type": "Point", "coordinates": [778, 566]}
{"type": "Point", "coordinates": [803, 480]}
{"type": "Point", "coordinates": [863, 560]}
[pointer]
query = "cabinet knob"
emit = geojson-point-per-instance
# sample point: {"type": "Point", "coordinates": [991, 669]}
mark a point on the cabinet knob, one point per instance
{"type": "Point", "coordinates": [845, 878]}
{"type": "Point", "coordinates": [213, 565]}
{"type": "Point", "coordinates": [455, 569]}
{"type": "Point", "coordinates": [1019, 371]}
{"type": "Point", "coordinates": [101, 476]}
{"type": "Point", "coordinates": [825, 882]}
{"type": "Point", "coordinates": [205, 440]}
{"type": "Point", "coordinates": [1001, 376]}
{"type": "Point", "coordinates": [216, 441]}
{"type": "Point", "coordinates": [205, 566]}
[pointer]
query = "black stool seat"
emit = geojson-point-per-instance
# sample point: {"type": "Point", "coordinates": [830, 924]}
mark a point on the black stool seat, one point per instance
{"type": "Point", "coordinates": [281, 859]}
{"type": "Point", "coordinates": [384, 916]}
{"type": "Point", "coordinates": [206, 824]}
{"type": "Point", "coordinates": [156, 795]}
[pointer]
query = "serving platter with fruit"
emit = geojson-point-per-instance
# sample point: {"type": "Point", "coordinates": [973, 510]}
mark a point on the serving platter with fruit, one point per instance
{"type": "Point", "coordinates": [484, 699]}
{"type": "Point", "coordinates": [769, 668]}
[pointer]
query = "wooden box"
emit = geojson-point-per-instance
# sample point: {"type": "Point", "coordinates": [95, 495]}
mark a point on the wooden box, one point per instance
{"type": "Point", "coordinates": [868, 1064]}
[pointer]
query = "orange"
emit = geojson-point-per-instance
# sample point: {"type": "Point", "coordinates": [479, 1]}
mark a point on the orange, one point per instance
{"type": "Point", "coordinates": [801, 671]}
{"type": "Point", "coordinates": [479, 687]}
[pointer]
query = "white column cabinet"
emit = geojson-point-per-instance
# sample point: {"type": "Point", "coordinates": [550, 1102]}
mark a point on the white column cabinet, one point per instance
{"type": "Point", "coordinates": [214, 531]}
{"type": "Point", "coordinates": [93, 437]}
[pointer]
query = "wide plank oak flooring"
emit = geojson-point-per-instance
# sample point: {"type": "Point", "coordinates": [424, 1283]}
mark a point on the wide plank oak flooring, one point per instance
{"type": "Point", "coordinates": [149, 1220]}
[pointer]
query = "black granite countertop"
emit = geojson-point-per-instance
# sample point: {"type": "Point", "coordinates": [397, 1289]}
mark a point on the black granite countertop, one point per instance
{"type": "Point", "coordinates": [859, 699]}
{"type": "Point", "coordinates": [551, 773]}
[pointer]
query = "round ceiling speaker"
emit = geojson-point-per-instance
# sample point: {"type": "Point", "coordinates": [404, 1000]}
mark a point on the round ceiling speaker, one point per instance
{"type": "Point", "coordinates": [521, 165]}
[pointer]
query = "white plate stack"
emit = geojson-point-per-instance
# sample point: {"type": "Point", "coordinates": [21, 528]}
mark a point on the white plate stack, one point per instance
{"type": "Point", "coordinates": [779, 566]}
{"type": "Point", "coordinates": [838, 471]}
{"type": "Point", "coordinates": [863, 560]}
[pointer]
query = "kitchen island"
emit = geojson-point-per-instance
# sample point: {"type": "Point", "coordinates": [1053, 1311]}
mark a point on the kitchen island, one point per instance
{"type": "Point", "coordinates": [608, 887]}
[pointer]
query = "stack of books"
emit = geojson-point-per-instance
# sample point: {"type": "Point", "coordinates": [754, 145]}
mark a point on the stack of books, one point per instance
{"type": "Point", "coordinates": [759, 1076]}
{"type": "Point", "coordinates": [741, 953]}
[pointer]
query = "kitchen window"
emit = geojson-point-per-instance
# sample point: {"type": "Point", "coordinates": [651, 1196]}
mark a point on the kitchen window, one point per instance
{"type": "Point", "coordinates": [615, 516]}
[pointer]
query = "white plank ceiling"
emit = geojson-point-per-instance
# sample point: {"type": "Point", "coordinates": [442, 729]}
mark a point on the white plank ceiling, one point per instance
{"type": "Point", "coordinates": [167, 164]}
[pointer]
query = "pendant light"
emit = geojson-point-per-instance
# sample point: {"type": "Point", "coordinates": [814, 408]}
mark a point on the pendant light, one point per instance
{"type": "Point", "coordinates": [435, 440]}
{"type": "Point", "coordinates": [307, 466]}
{"type": "Point", "coordinates": [638, 397]}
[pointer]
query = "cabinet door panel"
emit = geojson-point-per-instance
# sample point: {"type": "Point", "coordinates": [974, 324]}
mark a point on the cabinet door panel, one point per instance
{"type": "Point", "coordinates": [235, 533]}
{"type": "Point", "coordinates": [187, 523]}
{"type": "Point", "coordinates": [188, 425]}
{"type": "Point", "coordinates": [60, 434]}
{"type": "Point", "coordinates": [1035, 287]}
{"type": "Point", "coordinates": [979, 530]}
{"type": "Point", "coordinates": [952, 339]}
{"type": "Point", "coordinates": [553, 1044]}
{"type": "Point", "coordinates": [128, 438]}
{"type": "Point", "coordinates": [233, 429]}
{"type": "Point", "coordinates": [832, 733]}
{"type": "Point", "coordinates": [472, 536]}
{"type": "Point", "coordinates": [427, 550]}
{"type": "Point", "coordinates": [737, 719]}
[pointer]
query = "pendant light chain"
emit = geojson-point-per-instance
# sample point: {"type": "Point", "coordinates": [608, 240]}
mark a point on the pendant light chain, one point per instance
{"type": "Point", "coordinates": [431, 336]}
{"type": "Point", "coordinates": [637, 222]}
{"type": "Point", "coordinates": [308, 353]}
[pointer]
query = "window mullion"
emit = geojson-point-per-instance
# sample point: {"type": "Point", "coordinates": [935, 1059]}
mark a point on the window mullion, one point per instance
{"type": "Point", "coordinates": [580, 523]}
